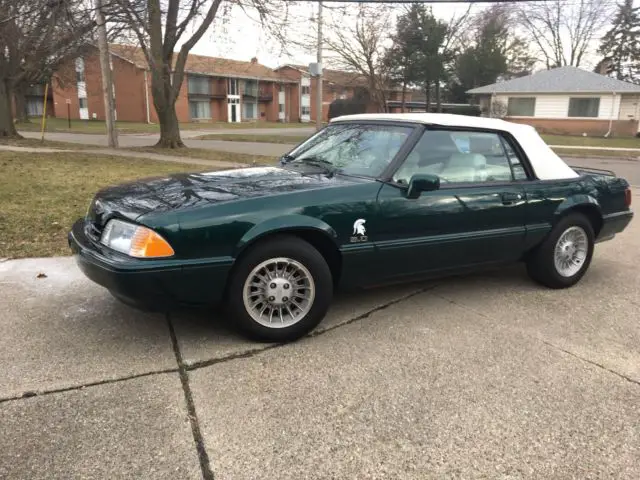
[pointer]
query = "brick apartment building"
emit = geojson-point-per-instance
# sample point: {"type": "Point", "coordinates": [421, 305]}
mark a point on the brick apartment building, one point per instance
{"type": "Point", "coordinates": [336, 84]}
{"type": "Point", "coordinates": [214, 90]}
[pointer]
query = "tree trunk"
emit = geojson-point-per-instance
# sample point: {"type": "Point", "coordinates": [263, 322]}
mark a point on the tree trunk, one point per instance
{"type": "Point", "coordinates": [7, 127]}
{"type": "Point", "coordinates": [169, 128]}
{"type": "Point", "coordinates": [438, 97]}
{"type": "Point", "coordinates": [21, 106]}
{"type": "Point", "coordinates": [404, 96]}
{"type": "Point", "coordinates": [427, 91]}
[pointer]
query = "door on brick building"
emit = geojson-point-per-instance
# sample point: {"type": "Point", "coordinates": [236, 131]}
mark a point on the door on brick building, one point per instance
{"type": "Point", "coordinates": [233, 101]}
{"type": "Point", "coordinates": [233, 105]}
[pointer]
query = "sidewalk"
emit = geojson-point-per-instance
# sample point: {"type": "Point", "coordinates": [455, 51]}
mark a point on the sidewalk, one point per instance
{"type": "Point", "coordinates": [130, 153]}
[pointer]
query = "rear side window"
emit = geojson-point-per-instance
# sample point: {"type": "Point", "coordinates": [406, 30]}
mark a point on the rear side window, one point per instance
{"type": "Point", "coordinates": [459, 157]}
{"type": "Point", "coordinates": [519, 172]}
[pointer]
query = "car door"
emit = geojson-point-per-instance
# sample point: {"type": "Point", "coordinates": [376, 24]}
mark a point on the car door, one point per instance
{"type": "Point", "coordinates": [476, 217]}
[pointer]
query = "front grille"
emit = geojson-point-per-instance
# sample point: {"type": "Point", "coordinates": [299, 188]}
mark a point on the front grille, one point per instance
{"type": "Point", "coordinates": [93, 231]}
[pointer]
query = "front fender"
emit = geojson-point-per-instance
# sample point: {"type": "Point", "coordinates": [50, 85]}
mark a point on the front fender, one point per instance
{"type": "Point", "coordinates": [281, 225]}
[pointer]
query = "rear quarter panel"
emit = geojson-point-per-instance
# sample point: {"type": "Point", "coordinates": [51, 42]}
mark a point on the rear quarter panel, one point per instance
{"type": "Point", "coordinates": [548, 201]}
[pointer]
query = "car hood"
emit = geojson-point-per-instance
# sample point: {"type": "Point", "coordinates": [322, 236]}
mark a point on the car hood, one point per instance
{"type": "Point", "coordinates": [180, 191]}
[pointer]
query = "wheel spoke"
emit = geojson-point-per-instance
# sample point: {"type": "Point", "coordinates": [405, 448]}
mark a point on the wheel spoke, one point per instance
{"type": "Point", "coordinates": [269, 283]}
{"type": "Point", "coordinates": [571, 251]}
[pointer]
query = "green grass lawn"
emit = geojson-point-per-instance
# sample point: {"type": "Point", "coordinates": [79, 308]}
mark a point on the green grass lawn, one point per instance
{"type": "Point", "coordinates": [239, 137]}
{"type": "Point", "coordinates": [98, 126]}
{"type": "Point", "coordinates": [41, 195]}
{"type": "Point", "coordinates": [617, 142]}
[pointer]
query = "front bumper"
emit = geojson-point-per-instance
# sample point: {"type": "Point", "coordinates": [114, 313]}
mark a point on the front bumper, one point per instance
{"type": "Point", "coordinates": [154, 284]}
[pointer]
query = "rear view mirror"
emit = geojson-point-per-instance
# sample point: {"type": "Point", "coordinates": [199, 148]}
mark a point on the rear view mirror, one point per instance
{"type": "Point", "coordinates": [422, 182]}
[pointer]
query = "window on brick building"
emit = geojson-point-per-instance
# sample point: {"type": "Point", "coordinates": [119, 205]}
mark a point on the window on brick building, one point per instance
{"type": "Point", "coordinates": [82, 103]}
{"type": "Point", "coordinates": [200, 110]}
{"type": "Point", "coordinates": [198, 85]}
{"type": "Point", "coordinates": [305, 89]}
{"type": "Point", "coordinates": [584, 107]}
{"type": "Point", "coordinates": [80, 70]}
{"type": "Point", "coordinates": [306, 111]}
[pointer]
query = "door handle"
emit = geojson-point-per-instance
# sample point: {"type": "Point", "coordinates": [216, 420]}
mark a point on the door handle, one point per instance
{"type": "Point", "coordinates": [511, 198]}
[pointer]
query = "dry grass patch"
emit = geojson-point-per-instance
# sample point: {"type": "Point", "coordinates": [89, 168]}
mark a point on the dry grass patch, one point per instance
{"type": "Point", "coordinates": [98, 126]}
{"type": "Point", "coordinates": [616, 142]}
{"type": "Point", "coordinates": [41, 195]}
{"type": "Point", "coordinates": [36, 143]}
{"type": "Point", "coordinates": [206, 154]}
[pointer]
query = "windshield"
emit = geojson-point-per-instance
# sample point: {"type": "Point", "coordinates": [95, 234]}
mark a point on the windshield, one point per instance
{"type": "Point", "coordinates": [352, 149]}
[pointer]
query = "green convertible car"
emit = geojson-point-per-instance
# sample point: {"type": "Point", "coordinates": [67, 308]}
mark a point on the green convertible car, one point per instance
{"type": "Point", "coordinates": [369, 200]}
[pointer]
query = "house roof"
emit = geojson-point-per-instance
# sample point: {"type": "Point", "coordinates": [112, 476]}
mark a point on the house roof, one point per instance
{"type": "Point", "coordinates": [560, 80]}
{"type": "Point", "coordinates": [336, 77]}
{"type": "Point", "coordinates": [204, 65]}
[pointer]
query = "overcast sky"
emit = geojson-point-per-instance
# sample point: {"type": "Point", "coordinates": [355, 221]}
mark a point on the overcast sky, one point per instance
{"type": "Point", "coordinates": [242, 38]}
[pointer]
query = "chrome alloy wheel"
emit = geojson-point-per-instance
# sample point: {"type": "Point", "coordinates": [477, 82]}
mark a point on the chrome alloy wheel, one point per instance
{"type": "Point", "coordinates": [571, 251]}
{"type": "Point", "coordinates": [279, 292]}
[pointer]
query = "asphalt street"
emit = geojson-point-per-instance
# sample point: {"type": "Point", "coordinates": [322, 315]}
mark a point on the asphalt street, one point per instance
{"type": "Point", "coordinates": [145, 140]}
{"type": "Point", "coordinates": [627, 168]}
{"type": "Point", "coordinates": [484, 376]}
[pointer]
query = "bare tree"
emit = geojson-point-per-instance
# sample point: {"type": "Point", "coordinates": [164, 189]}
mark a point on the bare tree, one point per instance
{"type": "Point", "coordinates": [36, 36]}
{"type": "Point", "coordinates": [359, 46]}
{"type": "Point", "coordinates": [158, 26]}
{"type": "Point", "coordinates": [561, 31]}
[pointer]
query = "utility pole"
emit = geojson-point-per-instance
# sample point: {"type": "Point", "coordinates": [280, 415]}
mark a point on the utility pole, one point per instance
{"type": "Point", "coordinates": [319, 78]}
{"type": "Point", "coordinates": [107, 82]}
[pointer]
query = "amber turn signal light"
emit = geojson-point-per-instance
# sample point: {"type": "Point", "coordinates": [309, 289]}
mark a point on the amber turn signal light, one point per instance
{"type": "Point", "coordinates": [148, 244]}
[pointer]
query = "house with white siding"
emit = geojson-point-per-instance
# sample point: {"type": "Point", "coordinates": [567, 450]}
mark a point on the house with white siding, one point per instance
{"type": "Point", "coordinates": [566, 100]}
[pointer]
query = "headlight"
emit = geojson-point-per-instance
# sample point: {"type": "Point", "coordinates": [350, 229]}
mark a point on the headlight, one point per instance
{"type": "Point", "coordinates": [135, 240]}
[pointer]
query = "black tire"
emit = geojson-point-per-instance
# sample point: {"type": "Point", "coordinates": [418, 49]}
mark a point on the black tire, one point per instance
{"type": "Point", "coordinates": [293, 248]}
{"type": "Point", "coordinates": [541, 264]}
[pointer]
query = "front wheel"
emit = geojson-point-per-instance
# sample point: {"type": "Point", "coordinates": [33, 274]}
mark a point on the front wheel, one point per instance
{"type": "Point", "coordinates": [280, 290]}
{"type": "Point", "coordinates": [565, 255]}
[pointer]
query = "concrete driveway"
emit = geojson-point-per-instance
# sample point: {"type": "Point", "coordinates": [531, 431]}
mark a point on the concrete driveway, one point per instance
{"type": "Point", "coordinates": [485, 376]}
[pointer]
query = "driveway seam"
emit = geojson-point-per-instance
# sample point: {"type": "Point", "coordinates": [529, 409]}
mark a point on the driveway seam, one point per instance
{"type": "Point", "coordinates": [207, 363]}
{"type": "Point", "coordinates": [271, 346]}
{"type": "Point", "coordinates": [596, 364]}
{"type": "Point", "coordinates": [203, 457]}
{"type": "Point", "coordinates": [40, 393]}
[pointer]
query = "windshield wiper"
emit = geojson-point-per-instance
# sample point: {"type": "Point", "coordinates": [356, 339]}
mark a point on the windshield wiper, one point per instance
{"type": "Point", "coordinates": [327, 166]}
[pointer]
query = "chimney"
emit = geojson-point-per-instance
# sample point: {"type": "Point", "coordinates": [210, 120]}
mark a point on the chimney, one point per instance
{"type": "Point", "coordinates": [254, 60]}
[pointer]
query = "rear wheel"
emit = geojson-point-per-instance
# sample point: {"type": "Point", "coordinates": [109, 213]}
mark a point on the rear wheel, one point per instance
{"type": "Point", "coordinates": [564, 257]}
{"type": "Point", "coordinates": [280, 290]}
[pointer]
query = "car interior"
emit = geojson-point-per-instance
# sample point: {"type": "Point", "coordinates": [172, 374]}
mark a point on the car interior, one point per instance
{"type": "Point", "coordinates": [457, 157]}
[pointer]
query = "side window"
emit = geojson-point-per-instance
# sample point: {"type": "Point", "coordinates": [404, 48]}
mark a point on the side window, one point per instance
{"type": "Point", "coordinates": [458, 157]}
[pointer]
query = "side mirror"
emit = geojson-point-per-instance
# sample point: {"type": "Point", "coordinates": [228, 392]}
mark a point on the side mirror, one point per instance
{"type": "Point", "coordinates": [286, 158]}
{"type": "Point", "coordinates": [422, 182]}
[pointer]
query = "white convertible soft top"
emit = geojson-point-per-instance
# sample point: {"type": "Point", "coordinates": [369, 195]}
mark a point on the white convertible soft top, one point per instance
{"type": "Point", "coordinates": [546, 164]}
